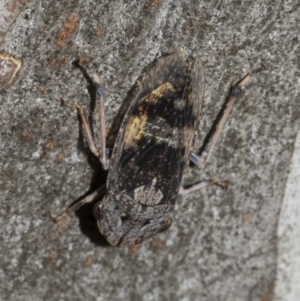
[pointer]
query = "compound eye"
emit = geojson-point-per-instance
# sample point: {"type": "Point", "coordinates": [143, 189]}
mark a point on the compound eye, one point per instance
{"type": "Point", "coordinates": [166, 225]}
{"type": "Point", "coordinates": [97, 210]}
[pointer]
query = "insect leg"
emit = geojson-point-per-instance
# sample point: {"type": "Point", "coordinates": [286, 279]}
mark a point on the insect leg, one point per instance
{"type": "Point", "coordinates": [197, 160]}
{"type": "Point", "coordinates": [103, 159]}
{"type": "Point", "coordinates": [89, 198]}
{"type": "Point", "coordinates": [234, 94]}
{"type": "Point", "coordinates": [102, 136]}
{"type": "Point", "coordinates": [86, 125]}
{"type": "Point", "coordinates": [95, 79]}
{"type": "Point", "coordinates": [201, 162]}
{"type": "Point", "coordinates": [198, 186]}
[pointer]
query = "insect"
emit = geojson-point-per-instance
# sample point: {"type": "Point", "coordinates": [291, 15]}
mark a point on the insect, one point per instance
{"type": "Point", "coordinates": [151, 151]}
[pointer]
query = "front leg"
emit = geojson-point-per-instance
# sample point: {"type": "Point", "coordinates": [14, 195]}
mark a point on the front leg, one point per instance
{"type": "Point", "coordinates": [99, 152]}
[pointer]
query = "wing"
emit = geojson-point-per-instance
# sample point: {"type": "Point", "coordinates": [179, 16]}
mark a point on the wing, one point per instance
{"type": "Point", "coordinates": [155, 140]}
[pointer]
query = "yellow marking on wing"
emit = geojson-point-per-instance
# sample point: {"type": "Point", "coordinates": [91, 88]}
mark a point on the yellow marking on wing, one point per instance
{"type": "Point", "coordinates": [139, 127]}
{"type": "Point", "coordinates": [163, 89]}
{"type": "Point", "coordinates": [134, 130]}
{"type": "Point", "coordinates": [153, 135]}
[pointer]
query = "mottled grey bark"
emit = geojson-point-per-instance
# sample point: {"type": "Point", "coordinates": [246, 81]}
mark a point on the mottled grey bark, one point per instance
{"type": "Point", "coordinates": [222, 244]}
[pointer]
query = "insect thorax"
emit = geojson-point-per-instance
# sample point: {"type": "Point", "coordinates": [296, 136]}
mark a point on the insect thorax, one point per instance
{"type": "Point", "coordinates": [124, 222]}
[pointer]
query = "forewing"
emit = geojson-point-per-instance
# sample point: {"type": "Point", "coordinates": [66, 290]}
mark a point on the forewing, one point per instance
{"type": "Point", "coordinates": [156, 136]}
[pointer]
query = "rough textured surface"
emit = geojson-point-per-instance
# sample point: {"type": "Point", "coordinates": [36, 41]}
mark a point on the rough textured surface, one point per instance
{"type": "Point", "coordinates": [222, 245]}
{"type": "Point", "coordinates": [288, 263]}
{"type": "Point", "coordinates": [9, 11]}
